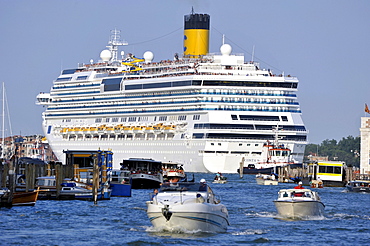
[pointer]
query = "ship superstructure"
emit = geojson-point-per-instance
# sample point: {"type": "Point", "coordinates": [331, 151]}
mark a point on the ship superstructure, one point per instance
{"type": "Point", "coordinates": [206, 111]}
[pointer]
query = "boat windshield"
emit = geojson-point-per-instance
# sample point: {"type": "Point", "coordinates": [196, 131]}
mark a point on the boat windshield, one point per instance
{"type": "Point", "coordinates": [183, 186]}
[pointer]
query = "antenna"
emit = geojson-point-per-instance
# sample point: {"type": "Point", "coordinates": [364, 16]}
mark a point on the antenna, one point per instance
{"type": "Point", "coordinates": [223, 39]}
{"type": "Point", "coordinates": [3, 126]}
{"type": "Point", "coordinates": [253, 54]}
{"type": "Point", "coordinates": [114, 43]}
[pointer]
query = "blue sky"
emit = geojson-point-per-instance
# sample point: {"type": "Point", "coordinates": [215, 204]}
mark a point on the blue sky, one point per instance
{"type": "Point", "coordinates": [324, 43]}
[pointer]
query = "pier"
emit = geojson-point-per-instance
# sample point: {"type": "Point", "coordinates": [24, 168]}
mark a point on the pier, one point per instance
{"type": "Point", "coordinates": [91, 170]}
{"type": "Point", "coordinates": [330, 173]}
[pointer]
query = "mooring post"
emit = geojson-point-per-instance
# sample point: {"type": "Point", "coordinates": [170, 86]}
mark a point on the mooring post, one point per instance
{"type": "Point", "coordinates": [241, 168]}
{"type": "Point", "coordinates": [95, 180]}
{"type": "Point", "coordinates": [11, 182]}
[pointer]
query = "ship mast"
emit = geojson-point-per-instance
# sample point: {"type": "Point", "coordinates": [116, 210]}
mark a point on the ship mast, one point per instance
{"type": "Point", "coordinates": [3, 127]}
{"type": "Point", "coordinates": [115, 41]}
{"type": "Point", "coordinates": [276, 142]}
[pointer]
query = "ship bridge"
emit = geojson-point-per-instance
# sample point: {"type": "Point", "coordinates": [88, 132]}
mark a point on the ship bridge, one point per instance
{"type": "Point", "coordinates": [43, 98]}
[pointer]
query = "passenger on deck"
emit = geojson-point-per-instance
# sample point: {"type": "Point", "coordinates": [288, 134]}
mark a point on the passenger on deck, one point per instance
{"type": "Point", "coordinates": [203, 185]}
{"type": "Point", "coordinates": [299, 186]}
{"type": "Point", "coordinates": [155, 192]}
{"type": "Point", "coordinates": [174, 179]}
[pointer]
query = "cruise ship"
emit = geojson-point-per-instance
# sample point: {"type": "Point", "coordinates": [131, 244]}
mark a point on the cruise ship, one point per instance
{"type": "Point", "coordinates": [211, 112]}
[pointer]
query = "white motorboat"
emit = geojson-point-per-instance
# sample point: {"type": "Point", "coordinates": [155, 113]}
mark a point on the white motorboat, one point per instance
{"type": "Point", "coordinates": [299, 204]}
{"type": "Point", "coordinates": [187, 207]}
{"type": "Point", "coordinates": [265, 179]}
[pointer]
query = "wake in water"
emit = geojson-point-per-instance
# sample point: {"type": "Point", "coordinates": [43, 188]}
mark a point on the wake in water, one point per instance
{"type": "Point", "coordinates": [301, 218]}
{"type": "Point", "coordinates": [250, 232]}
{"type": "Point", "coordinates": [178, 232]}
{"type": "Point", "coordinates": [261, 214]}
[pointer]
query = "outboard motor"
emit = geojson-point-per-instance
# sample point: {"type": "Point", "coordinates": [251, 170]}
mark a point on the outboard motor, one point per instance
{"type": "Point", "coordinates": [200, 199]}
{"type": "Point", "coordinates": [166, 212]}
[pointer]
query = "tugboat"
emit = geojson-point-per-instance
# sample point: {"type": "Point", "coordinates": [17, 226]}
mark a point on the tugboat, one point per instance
{"type": "Point", "coordinates": [274, 155]}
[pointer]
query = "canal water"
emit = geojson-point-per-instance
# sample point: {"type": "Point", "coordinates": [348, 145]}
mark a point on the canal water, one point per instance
{"type": "Point", "coordinates": [253, 220]}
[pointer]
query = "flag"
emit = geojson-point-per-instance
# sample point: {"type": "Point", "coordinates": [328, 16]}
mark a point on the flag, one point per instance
{"type": "Point", "coordinates": [367, 109]}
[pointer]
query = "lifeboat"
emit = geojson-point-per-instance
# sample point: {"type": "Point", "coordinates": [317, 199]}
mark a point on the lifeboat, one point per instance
{"type": "Point", "coordinates": [109, 129]}
{"type": "Point", "coordinates": [127, 129]}
{"type": "Point", "coordinates": [63, 130]}
{"type": "Point", "coordinates": [158, 128]}
{"type": "Point", "coordinates": [169, 129]}
{"type": "Point", "coordinates": [101, 129]}
{"type": "Point", "coordinates": [118, 129]}
{"type": "Point", "coordinates": [93, 129]}
{"type": "Point", "coordinates": [149, 129]}
{"type": "Point", "coordinates": [138, 129]}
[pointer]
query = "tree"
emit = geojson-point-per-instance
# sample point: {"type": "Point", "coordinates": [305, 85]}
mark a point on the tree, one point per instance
{"type": "Point", "coordinates": [347, 150]}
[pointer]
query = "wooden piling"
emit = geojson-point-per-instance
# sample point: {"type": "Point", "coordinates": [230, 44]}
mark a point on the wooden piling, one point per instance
{"type": "Point", "coordinates": [11, 180]}
{"type": "Point", "coordinates": [95, 180]}
{"type": "Point", "coordinates": [30, 177]}
{"type": "Point", "coordinates": [241, 168]}
{"type": "Point", "coordinates": [59, 176]}
{"type": "Point", "coordinates": [4, 175]}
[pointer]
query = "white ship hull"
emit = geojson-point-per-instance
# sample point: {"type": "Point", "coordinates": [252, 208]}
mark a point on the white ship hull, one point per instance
{"type": "Point", "coordinates": [190, 153]}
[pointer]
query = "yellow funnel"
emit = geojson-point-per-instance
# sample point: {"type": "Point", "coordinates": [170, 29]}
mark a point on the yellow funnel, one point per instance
{"type": "Point", "coordinates": [196, 35]}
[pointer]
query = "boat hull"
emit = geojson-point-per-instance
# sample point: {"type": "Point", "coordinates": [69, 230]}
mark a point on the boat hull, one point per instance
{"type": "Point", "coordinates": [207, 218]}
{"type": "Point", "coordinates": [262, 181]}
{"type": "Point", "coordinates": [120, 190]}
{"type": "Point", "coordinates": [358, 189]}
{"type": "Point", "coordinates": [25, 198]}
{"type": "Point", "coordinates": [299, 209]}
{"type": "Point", "coordinates": [219, 181]}
{"type": "Point", "coordinates": [362, 186]}
{"type": "Point", "coordinates": [144, 181]}
{"type": "Point", "coordinates": [247, 170]}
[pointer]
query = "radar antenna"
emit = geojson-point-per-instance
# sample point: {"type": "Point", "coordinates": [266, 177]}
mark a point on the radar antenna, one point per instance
{"type": "Point", "coordinates": [115, 41]}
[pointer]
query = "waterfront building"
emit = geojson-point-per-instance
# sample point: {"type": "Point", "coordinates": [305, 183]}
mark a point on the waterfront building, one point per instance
{"type": "Point", "coordinates": [365, 145]}
{"type": "Point", "coordinates": [33, 146]}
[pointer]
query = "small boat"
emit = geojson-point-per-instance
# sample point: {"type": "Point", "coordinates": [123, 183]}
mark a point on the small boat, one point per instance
{"type": "Point", "coordinates": [219, 179]}
{"type": "Point", "coordinates": [26, 198]}
{"type": "Point", "coordinates": [72, 190]}
{"type": "Point", "coordinates": [173, 170]}
{"type": "Point", "coordinates": [273, 155]}
{"type": "Point", "coordinates": [144, 173]}
{"type": "Point", "coordinates": [299, 204]}
{"type": "Point", "coordinates": [358, 186]}
{"type": "Point", "coordinates": [266, 179]}
{"type": "Point", "coordinates": [316, 183]}
{"type": "Point", "coordinates": [187, 206]}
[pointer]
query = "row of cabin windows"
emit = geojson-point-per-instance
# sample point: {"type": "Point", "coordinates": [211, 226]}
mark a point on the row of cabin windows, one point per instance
{"type": "Point", "coordinates": [144, 118]}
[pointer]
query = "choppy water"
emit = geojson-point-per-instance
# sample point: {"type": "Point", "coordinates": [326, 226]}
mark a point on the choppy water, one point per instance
{"type": "Point", "coordinates": [253, 219]}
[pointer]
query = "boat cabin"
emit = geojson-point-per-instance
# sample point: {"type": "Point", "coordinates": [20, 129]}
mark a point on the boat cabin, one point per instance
{"type": "Point", "coordinates": [138, 165]}
{"type": "Point", "coordinates": [46, 182]}
{"type": "Point", "coordinates": [295, 193]}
